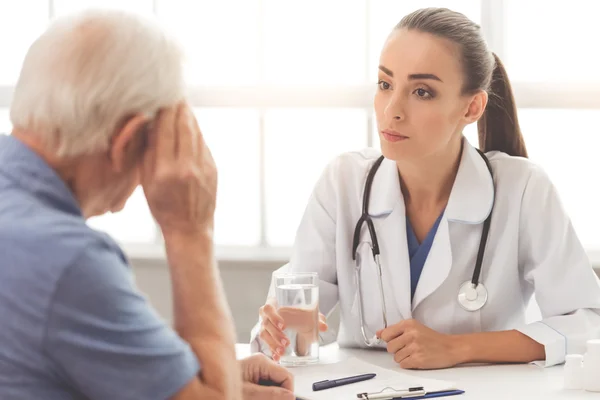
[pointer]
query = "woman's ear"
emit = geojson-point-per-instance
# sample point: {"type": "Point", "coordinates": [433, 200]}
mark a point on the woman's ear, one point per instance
{"type": "Point", "coordinates": [126, 139]}
{"type": "Point", "coordinates": [476, 107]}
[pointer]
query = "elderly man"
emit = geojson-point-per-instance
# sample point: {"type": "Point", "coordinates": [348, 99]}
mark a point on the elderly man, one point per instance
{"type": "Point", "coordinates": [97, 111]}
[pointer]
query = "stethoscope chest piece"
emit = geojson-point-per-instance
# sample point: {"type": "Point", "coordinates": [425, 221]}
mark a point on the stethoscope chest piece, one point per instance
{"type": "Point", "coordinates": [471, 297]}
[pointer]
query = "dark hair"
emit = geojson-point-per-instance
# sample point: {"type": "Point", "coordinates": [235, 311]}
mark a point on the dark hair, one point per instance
{"type": "Point", "coordinates": [498, 127]}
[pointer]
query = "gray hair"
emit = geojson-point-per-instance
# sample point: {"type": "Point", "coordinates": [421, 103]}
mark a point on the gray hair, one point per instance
{"type": "Point", "coordinates": [90, 71]}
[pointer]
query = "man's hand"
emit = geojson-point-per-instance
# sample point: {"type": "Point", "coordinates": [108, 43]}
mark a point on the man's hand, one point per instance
{"type": "Point", "coordinates": [258, 367]}
{"type": "Point", "coordinates": [179, 175]}
{"type": "Point", "coordinates": [179, 179]}
{"type": "Point", "coordinates": [415, 346]}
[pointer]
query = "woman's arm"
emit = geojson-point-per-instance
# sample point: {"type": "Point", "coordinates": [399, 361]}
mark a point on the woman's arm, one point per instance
{"type": "Point", "coordinates": [497, 347]}
{"type": "Point", "coordinates": [554, 262]}
{"type": "Point", "coordinates": [416, 346]}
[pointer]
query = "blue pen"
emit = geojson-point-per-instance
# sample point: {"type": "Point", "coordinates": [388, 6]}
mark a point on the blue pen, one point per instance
{"type": "Point", "coordinates": [327, 384]}
{"type": "Point", "coordinates": [431, 395]}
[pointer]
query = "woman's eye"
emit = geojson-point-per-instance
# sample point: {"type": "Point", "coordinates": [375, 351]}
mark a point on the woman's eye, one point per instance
{"type": "Point", "coordinates": [423, 93]}
{"type": "Point", "coordinates": [383, 85]}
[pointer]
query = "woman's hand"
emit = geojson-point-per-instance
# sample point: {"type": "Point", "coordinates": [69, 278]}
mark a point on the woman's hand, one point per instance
{"type": "Point", "coordinates": [274, 322]}
{"type": "Point", "coordinates": [416, 346]}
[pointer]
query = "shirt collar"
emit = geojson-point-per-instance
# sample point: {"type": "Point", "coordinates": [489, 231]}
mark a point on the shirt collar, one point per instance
{"type": "Point", "coordinates": [28, 170]}
{"type": "Point", "coordinates": [471, 198]}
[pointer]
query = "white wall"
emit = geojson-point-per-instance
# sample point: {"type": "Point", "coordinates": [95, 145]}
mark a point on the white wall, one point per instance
{"type": "Point", "coordinates": [246, 286]}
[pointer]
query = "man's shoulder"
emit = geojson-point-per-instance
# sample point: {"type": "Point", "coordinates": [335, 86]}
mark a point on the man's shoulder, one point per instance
{"type": "Point", "coordinates": [33, 236]}
{"type": "Point", "coordinates": [40, 247]}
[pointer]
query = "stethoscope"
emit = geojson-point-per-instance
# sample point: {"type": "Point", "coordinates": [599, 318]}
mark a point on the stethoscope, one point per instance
{"type": "Point", "coordinates": [472, 295]}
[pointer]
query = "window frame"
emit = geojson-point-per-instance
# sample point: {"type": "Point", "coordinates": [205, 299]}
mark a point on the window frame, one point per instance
{"type": "Point", "coordinates": [262, 97]}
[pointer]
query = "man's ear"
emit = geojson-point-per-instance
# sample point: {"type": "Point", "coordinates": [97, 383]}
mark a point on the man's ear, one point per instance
{"type": "Point", "coordinates": [125, 139]}
{"type": "Point", "coordinates": [476, 107]}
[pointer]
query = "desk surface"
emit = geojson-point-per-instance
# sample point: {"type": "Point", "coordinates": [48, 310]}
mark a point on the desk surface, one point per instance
{"type": "Point", "coordinates": [490, 382]}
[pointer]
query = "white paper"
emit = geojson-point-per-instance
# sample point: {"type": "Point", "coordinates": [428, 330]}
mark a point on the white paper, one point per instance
{"type": "Point", "coordinates": [304, 377]}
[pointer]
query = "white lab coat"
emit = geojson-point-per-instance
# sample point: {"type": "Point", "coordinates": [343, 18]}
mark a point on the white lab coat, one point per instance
{"type": "Point", "coordinates": [532, 249]}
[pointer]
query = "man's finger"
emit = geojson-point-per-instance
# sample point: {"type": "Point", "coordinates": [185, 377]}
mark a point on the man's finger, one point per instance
{"type": "Point", "coordinates": [257, 392]}
{"type": "Point", "coordinates": [202, 149]}
{"type": "Point", "coordinates": [166, 142]}
{"type": "Point", "coordinates": [276, 373]}
{"type": "Point", "coordinates": [393, 331]}
{"type": "Point", "coordinates": [187, 136]}
{"type": "Point", "coordinates": [149, 161]}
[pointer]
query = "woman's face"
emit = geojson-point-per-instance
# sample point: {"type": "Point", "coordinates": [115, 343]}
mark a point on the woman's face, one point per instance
{"type": "Point", "coordinates": [419, 105]}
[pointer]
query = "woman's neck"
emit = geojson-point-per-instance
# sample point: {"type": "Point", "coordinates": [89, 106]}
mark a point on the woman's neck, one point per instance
{"type": "Point", "coordinates": [427, 184]}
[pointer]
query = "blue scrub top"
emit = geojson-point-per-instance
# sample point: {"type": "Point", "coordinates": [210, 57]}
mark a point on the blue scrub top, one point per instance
{"type": "Point", "coordinates": [418, 252]}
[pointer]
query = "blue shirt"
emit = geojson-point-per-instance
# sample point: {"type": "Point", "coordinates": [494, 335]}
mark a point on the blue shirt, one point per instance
{"type": "Point", "coordinates": [73, 324]}
{"type": "Point", "coordinates": [418, 253]}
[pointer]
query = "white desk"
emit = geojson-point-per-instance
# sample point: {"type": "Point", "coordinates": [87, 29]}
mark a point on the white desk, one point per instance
{"type": "Point", "coordinates": [489, 382]}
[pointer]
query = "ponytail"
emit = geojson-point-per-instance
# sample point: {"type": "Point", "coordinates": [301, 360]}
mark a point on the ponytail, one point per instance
{"type": "Point", "coordinates": [498, 127]}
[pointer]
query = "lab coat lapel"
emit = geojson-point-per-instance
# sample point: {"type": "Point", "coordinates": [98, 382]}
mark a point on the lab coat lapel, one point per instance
{"type": "Point", "coordinates": [470, 202]}
{"type": "Point", "coordinates": [437, 266]}
{"type": "Point", "coordinates": [389, 217]}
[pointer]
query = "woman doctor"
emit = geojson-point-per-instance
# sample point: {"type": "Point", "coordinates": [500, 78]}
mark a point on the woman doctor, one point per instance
{"type": "Point", "coordinates": [429, 201]}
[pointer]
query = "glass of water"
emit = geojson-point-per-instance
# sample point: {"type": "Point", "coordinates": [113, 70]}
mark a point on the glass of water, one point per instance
{"type": "Point", "coordinates": [298, 304]}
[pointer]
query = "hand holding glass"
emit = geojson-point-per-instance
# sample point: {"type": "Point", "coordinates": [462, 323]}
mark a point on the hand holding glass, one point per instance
{"type": "Point", "coordinates": [291, 321]}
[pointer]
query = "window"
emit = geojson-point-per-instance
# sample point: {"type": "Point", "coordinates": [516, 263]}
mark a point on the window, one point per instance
{"type": "Point", "coordinates": [281, 86]}
{"type": "Point", "coordinates": [197, 23]}
{"type": "Point", "coordinates": [573, 137]}
{"type": "Point", "coordinates": [299, 144]}
{"type": "Point", "coordinates": [62, 7]}
{"type": "Point", "coordinates": [134, 224]}
{"type": "Point", "coordinates": [21, 22]}
{"type": "Point", "coordinates": [385, 14]}
{"type": "Point", "coordinates": [232, 134]}
{"type": "Point", "coordinates": [302, 46]}
{"type": "Point", "coordinates": [554, 47]}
